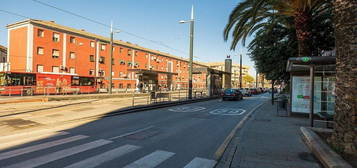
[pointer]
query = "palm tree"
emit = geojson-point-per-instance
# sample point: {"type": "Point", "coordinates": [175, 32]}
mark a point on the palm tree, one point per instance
{"type": "Point", "coordinates": [344, 138]}
{"type": "Point", "coordinates": [251, 15]}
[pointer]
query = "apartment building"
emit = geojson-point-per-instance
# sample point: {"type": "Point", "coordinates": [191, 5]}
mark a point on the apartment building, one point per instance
{"type": "Point", "coordinates": [235, 71]}
{"type": "Point", "coordinates": [3, 54]}
{"type": "Point", "coordinates": [48, 47]}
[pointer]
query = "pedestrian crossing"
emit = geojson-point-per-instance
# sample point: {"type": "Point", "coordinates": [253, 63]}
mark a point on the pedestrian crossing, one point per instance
{"type": "Point", "coordinates": [150, 160]}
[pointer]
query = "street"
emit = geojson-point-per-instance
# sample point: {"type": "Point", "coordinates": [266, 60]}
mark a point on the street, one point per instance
{"type": "Point", "coordinates": [178, 136]}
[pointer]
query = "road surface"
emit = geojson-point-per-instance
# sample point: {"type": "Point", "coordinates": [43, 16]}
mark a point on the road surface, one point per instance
{"type": "Point", "coordinates": [179, 136]}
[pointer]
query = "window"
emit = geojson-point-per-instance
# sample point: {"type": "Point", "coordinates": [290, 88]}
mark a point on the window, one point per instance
{"type": "Point", "coordinates": [91, 58]}
{"type": "Point", "coordinates": [92, 44]}
{"type": "Point", "coordinates": [91, 72]}
{"type": "Point", "coordinates": [120, 50]}
{"type": "Point", "coordinates": [72, 55]}
{"type": "Point", "coordinates": [39, 50]}
{"type": "Point", "coordinates": [39, 68]}
{"type": "Point", "coordinates": [56, 37]}
{"type": "Point", "coordinates": [102, 47]}
{"type": "Point", "coordinates": [113, 61]}
{"type": "Point", "coordinates": [82, 81]}
{"type": "Point", "coordinates": [101, 73]}
{"type": "Point", "coordinates": [55, 69]}
{"type": "Point", "coordinates": [128, 86]}
{"type": "Point", "coordinates": [55, 53]}
{"type": "Point", "coordinates": [40, 33]}
{"type": "Point", "coordinates": [136, 53]}
{"type": "Point", "coordinates": [129, 52]}
{"type": "Point", "coordinates": [72, 40]}
{"type": "Point", "coordinates": [72, 70]}
{"type": "Point", "coordinates": [120, 74]}
{"type": "Point", "coordinates": [101, 60]}
{"type": "Point", "coordinates": [120, 86]}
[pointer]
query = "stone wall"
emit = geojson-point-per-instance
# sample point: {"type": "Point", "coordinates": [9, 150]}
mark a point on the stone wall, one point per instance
{"type": "Point", "coordinates": [344, 138]}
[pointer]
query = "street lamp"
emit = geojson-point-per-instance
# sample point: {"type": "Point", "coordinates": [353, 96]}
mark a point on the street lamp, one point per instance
{"type": "Point", "coordinates": [191, 21]}
{"type": "Point", "coordinates": [111, 57]}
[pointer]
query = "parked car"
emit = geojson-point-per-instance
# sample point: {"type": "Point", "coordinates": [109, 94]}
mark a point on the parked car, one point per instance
{"type": "Point", "coordinates": [245, 92]}
{"type": "Point", "coordinates": [232, 94]}
{"type": "Point", "coordinates": [253, 91]}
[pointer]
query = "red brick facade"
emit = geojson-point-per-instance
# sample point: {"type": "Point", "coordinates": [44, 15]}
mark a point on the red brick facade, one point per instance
{"type": "Point", "coordinates": [42, 46]}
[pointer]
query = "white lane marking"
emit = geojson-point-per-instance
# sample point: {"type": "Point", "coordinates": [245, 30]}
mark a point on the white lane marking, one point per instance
{"type": "Point", "coordinates": [151, 160]}
{"type": "Point", "coordinates": [59, 155]}
{"type": "Point", "coordinates": [131, 133]}
{"type": "Point", "coordinates": [198, 162]}
{"type": "Point", "coordinates": [228, 111]}
{"type": "Point", "coordinates": [13, 141]}
{"type": "Point", "coordinates": [104, 157]}
{"type": "Point", "coordinates": [185, 109]}
{"type": "Point", "coordinates": [38, 147]}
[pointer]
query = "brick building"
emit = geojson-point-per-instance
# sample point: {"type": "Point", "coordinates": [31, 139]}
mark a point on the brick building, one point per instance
{"type": "Point", "coordinates": [3, 54]}
{"type": "Point", "coordinates": [235, 72]}
{"type": "Point", "coordinates": [44, 46]}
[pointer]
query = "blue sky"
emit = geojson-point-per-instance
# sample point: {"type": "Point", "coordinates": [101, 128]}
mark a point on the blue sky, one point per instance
{"type": "Point", "coordinates": [156, 20]}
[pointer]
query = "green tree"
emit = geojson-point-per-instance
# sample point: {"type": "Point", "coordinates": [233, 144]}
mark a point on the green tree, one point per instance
{"type": "Point", "coordinates": [252, 15]}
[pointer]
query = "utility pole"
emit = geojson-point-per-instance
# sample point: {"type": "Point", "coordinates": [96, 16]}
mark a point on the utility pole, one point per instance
{"type": "Point", "coordinates": [111, 59]}
{"type": "Point", "coordinates": [190, 70]}
{"type": "Point", "coordinates": [191, 54]}
{"type": "Point", "coordinates": [240, 72]}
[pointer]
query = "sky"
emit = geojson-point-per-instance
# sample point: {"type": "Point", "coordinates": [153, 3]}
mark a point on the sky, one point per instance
{"type": "Point", "coordinates": [149, 23]}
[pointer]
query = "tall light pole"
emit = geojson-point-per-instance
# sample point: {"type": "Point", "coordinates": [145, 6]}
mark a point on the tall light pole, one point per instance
{"type": "Point", "coordinates": [240, 72]}
{"type": "Point", "coordinates": [192, 22]}
{"type": "Point", "coordinates": [111, 58]}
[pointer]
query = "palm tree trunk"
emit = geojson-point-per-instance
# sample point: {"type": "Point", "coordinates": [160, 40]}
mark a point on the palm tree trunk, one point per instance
{"type": "Point", "coordinates": [344, 138]}
{"type": "Point", "coordinates": [303, 21]}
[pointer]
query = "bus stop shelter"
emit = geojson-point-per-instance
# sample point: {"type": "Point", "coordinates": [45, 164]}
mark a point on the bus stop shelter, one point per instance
{"type": "Point", "coordinates": [319, 72]}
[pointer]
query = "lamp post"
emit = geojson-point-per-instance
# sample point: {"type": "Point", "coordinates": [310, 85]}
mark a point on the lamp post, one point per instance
{"type": "Point", "coordinates": [192, 22]}
{"type": "Point", "coordinates": [111, 57]}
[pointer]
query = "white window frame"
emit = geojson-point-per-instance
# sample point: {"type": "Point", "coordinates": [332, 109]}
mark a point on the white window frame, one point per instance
{"type": "Point", "coordinates": [72, 55]}
{"type": "Point", "coordinates": [40, 68]}
{"type": "Point", "coordinates": [72, 70]}
{"type": "Point", "coordinates": [55, 51]}
{"type": "Point", "coordinates": [40, 49]}
{"type": "Point", "coordinates": [56, 37]}
{"type": "Point", "coordinates": [92, 44]}
{"type": "Point", "coordinates": [55, 69]}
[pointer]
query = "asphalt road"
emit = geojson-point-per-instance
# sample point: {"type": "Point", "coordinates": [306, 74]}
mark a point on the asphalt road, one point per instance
{"type": "Point", "coordinates": [180, 136]}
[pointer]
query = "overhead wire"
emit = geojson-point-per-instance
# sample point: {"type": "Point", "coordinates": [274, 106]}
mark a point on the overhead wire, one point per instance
{"type": "Point", "coordinates": [108, 26]}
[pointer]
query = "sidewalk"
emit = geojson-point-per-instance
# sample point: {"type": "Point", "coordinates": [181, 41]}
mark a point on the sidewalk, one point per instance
{"type": "Point", "coordinates": [269, 141]}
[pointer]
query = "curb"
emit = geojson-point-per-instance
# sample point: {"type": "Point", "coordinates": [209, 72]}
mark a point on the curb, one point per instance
{"type": "Point", "coordinates": [222, 148]}
{"type": "Point", "coordinates": [328, 157]}
{"type": "Point", "coordinates": [142, 108]}
{"type": "Point", "coordinates": [24, 100]}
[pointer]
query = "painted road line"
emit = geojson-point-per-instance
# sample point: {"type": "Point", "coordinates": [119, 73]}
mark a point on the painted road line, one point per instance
{"type": "Point", "coordinates": [104, 157]}
{"type": "Point", "coordinates": [13, 141]}
{"type": "Point", "coordinates": [131, 133]}
{"type": "Point", "coordinates": [201, 163]}
{"type": "Point", "coordinates": [151, 160]}
{"type": "Point", "coordinates": [59, 155]}
{"type": "Point", "coordinates": [38, 147]}
{"type": "Point", "coordinates": [218, 154]}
